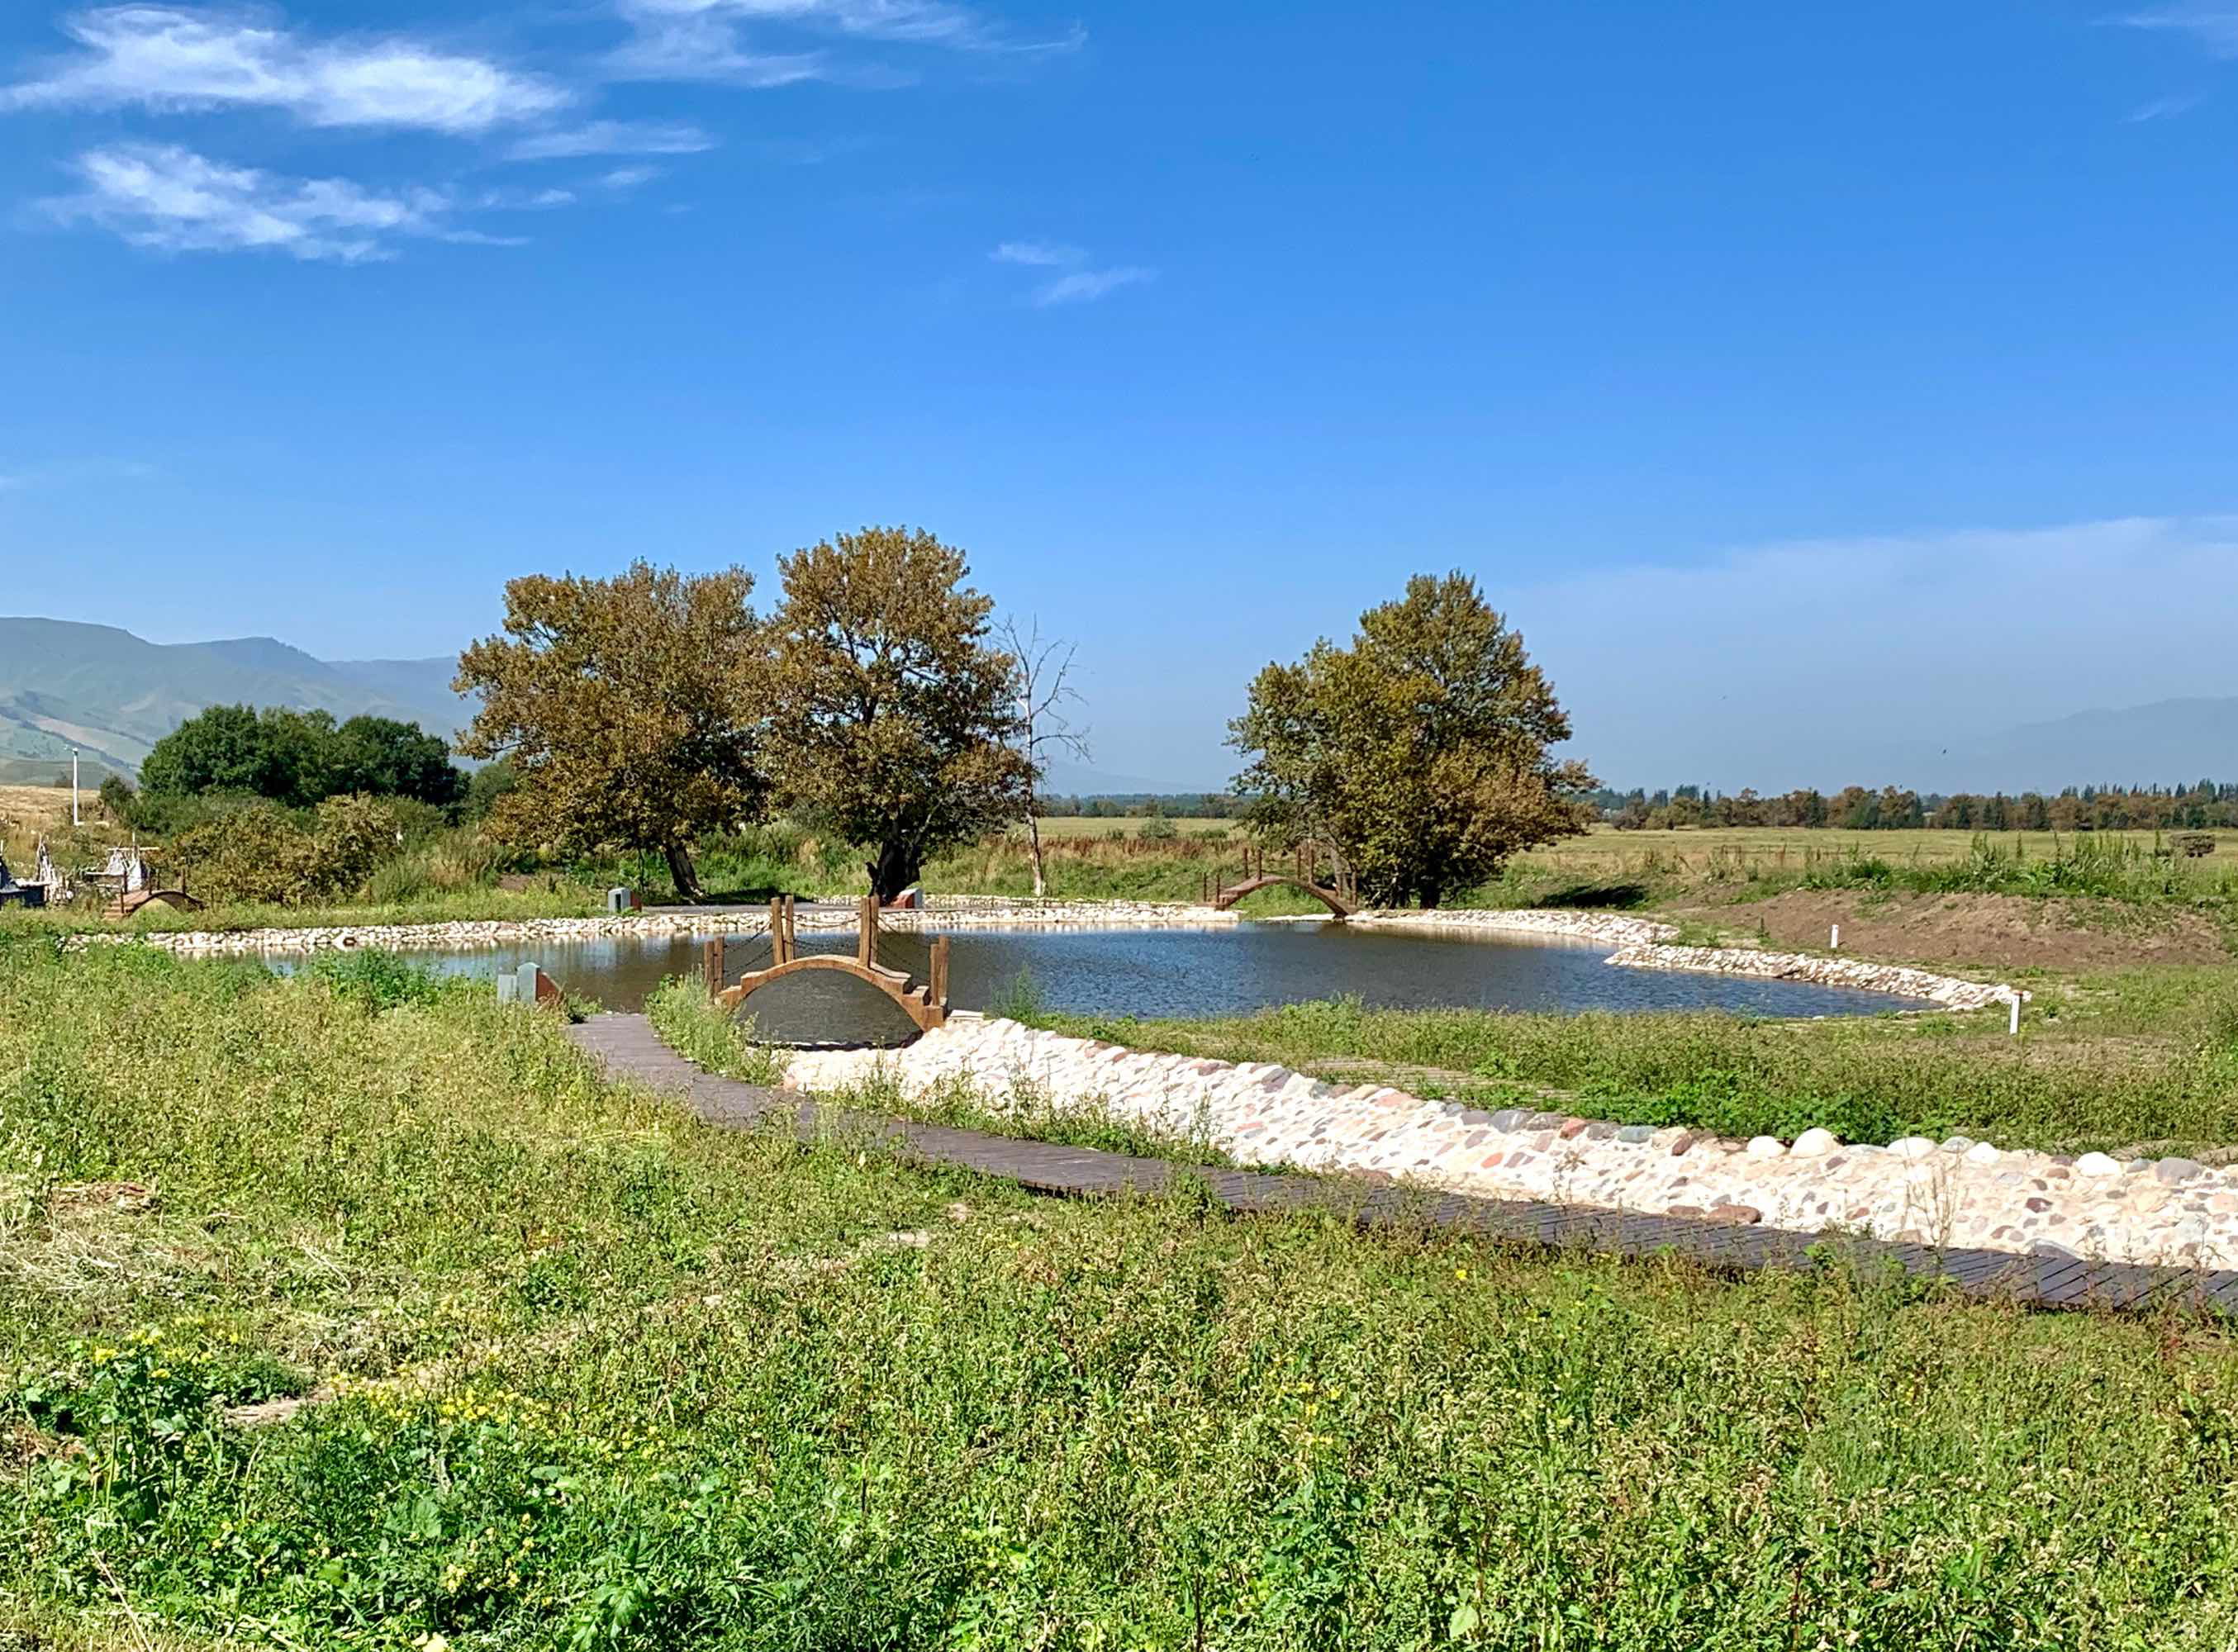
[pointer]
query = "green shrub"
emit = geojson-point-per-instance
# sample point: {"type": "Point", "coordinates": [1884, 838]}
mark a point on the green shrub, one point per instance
{"type": "Point", "coordinates": [262, 853]}
{"type": "Point", "coordinates": [377, 979]}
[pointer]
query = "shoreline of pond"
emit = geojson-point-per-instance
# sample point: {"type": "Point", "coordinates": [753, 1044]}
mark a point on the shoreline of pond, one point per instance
{"type": "Point", "coordinates": [1635, 942]}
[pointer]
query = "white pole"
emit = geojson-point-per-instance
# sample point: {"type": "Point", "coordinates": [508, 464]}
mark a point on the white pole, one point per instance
{"type": "Point", "coordinates": [1835, 945]}
{"type": "Point", "coordinates": [2016, 1015]}
{"type": "Point", "coordinates": [74, 819]}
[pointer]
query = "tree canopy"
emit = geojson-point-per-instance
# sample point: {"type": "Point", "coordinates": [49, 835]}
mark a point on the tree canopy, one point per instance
{"type": "Point", "coordinates": [1419, 752]}
{"type": "Point", "coordinates": [892, 714]}
{"type": "Point", "coordinates": [629, 707]}
{"type": "Point", "coordinates": [382, 758]}
{"type": "Point", "coordinates": [300, 759]}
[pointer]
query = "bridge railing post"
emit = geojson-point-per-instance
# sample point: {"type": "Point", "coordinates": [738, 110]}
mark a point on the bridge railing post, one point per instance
{"type": "Point", "coordinates": [866, 933]}
{"type": "Point", "coordinates": [939, 994]}
{"type": "Point", "coordinates": [711, 965]}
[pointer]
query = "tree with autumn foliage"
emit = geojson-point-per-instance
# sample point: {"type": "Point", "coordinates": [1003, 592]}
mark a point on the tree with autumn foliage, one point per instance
{"type": "Point", "coordinates": [893, 714]}
{"type": "Point", "coordinates": [629, 708]}
{"type": "Point", "coordinates": [1420, 753]}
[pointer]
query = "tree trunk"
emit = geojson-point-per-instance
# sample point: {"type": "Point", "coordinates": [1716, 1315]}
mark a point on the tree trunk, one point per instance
{"type": "Point", "coordinates": [896, 868]}
{"type": "Point", "coordinates": [680, 868]}
{"type": "Point", "coordinates": [1034, 839]}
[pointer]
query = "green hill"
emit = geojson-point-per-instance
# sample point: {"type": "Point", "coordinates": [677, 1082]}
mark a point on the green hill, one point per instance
{"type": "Point", "coordinates": [112, 694]}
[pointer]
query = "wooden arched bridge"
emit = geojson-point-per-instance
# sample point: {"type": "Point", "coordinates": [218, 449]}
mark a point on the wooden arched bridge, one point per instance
{"type": "Point", "coordinates": [1304, 871]}
{"type": "Point", "coordinates": [926, 1005]}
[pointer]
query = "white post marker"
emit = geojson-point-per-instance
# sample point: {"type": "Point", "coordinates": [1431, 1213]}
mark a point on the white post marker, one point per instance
{"type": "Point", "coordinates": [2016, 1001]}
{"type": "Point", "coordinates": [1835, 945]}
{"type": "Point", "coordinates": [74, 819]}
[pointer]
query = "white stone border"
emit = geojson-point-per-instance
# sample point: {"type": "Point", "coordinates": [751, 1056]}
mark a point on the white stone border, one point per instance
{"type": "Point", "coordinates": [467, 935]}
{"type": "Point", "coordinates": [1958, 1192]}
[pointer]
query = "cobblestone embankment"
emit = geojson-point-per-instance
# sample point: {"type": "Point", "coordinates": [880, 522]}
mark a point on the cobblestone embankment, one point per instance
{"type": "Point", "coordinates": [1955, 1193]}
{"type": "Point", "coordinates": [466, 935]}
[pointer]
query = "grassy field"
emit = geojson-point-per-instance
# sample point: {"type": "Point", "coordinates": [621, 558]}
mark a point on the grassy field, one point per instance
{"type": "Point", "coordinates": [1065, 827]}
{"type": "Point", "coordinates": [563, 900]}
{"type": "Point", "coordinates": [578, 1373]}
{"type": "Point", "coordinates": [1606, 850]}
{"type": "Point", "coordinates": [2135, 1061]}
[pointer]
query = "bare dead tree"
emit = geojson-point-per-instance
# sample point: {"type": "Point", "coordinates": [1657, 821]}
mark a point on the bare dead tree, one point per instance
{"type": "Point", "coordinates": [1041, 681]}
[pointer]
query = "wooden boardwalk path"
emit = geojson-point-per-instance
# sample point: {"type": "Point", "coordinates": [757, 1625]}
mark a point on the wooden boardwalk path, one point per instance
{"type": "Point", "coordinates": [628, 1048]}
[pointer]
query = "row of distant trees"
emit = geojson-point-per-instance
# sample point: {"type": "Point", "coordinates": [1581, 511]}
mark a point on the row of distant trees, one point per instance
{"type": "Point", "coordinates": [2197, 807]}
{"type": "Point", "coordinates": [1206, 805]}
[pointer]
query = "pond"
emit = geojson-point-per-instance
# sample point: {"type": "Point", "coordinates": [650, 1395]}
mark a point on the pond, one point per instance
{"type": "Point", "coordinates": [1175, 973]}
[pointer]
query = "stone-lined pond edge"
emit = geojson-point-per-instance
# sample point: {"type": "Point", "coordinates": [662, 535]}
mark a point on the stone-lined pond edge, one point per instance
{"type": "Point", "coordinates": [625, 1046]}
{"type": "Point", "coordinates": [1639, 944]}
{"type": "Point", "coordinates": [1961, 1193]}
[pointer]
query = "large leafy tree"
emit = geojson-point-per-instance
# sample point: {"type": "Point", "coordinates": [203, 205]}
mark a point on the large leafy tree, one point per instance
{"type": "Point", "coordinates": [1419, 753]}
{"type": "Point", "coordinates": [628, 708]}
{"type": "Point", "coordinates": [382, 758]}
{"type": "Point", "coordinates": [892, 713]}
{"type": "Point", "coordinates": [280, 754]}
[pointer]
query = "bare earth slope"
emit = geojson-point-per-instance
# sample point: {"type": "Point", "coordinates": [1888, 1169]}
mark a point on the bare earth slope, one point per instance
{"type": "Point", "coordinates": [2000, 931]}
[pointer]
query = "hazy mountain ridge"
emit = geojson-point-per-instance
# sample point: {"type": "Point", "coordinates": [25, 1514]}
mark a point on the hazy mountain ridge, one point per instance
{"type": "Point", "coordinates": [2169, 742]}
{"type": "Point", "coordinates": [113, 694]}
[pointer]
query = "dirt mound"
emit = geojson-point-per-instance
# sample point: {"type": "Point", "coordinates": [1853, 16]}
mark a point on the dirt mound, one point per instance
{"type": "Point", "coordinates": [2000, 931]}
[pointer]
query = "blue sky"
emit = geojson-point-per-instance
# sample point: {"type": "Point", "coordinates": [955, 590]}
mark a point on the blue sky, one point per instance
{"type": "Point", "coordinates": [1722, 343]}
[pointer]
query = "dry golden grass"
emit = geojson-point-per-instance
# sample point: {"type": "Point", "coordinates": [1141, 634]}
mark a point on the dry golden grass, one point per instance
{"type": "Point", "coordinates": [1059, 827]}
{"type": "Point", "coordinates": [27, 811]}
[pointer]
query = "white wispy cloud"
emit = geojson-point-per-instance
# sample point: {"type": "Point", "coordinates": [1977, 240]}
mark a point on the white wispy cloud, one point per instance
{"type": "Point", "coordinates": [612, 137]}
{"type": "Point", "coordinates": [2165, 109]}
{"type": "Point", "coordinates": [1079, 284]}
{"type": "Point", "coordinates": [1038, 254]}
{"type": "Point", "coordinates": [1083, 285]}
{"type": "Point", "coordinates": [171, 199]}
{"type": "Point", "coordinates": [524, 200]}
{"type": "Point", "coordinates": [2214, 25]}
{"type": "Point", "coordinates": [708, 39]}
{"type": "Point", "coordinates": [629, 177]}
{"type": "Point", "coordinates": [671, 44]}
{"type": "Point", "coordinates": [174, 58]}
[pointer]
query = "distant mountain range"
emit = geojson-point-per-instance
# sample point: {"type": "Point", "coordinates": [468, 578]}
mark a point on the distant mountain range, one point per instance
{"type": "Point", "coordinates": [2169, 742]}
{"type": "Point", "coordinates": [111, 695]}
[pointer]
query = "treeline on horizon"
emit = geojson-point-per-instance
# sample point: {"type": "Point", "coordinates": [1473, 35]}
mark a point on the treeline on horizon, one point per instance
{"type": "Point", "coordinates": [2201, 807]}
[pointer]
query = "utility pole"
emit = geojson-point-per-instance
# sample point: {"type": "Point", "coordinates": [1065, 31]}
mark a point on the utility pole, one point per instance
{"type": "Point", "coordinates": [74, 819]}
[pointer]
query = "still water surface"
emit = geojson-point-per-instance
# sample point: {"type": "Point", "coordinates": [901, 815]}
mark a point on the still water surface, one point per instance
{"type": "Point", "coordinates": [1173, 972]}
